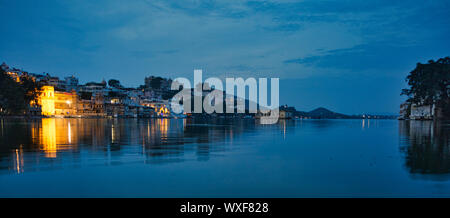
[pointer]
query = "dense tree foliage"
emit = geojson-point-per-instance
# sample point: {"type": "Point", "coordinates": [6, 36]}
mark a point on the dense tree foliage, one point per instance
{"type": "Point", "coordinates": [156, 83]}
{"type": "Point", "coordinates": [429, 84]}
{"type": "Point", "coordinates": [15, 97]}
{"type": "Point", "coordinates": [115, 83]}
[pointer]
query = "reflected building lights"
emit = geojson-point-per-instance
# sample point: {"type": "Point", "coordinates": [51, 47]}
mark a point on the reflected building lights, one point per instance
{"type": "Point", "coordinates": [52, 138]}
{"type": "Point", "coordinates": [69, 137]}
{"type": "Point", "coordinates": [54, 135]}
{"type": "Point", "coordinates": [231, 136]}
{"type": "Point", "coordinates": [113, 136]}
{"type": "Point", "coordinates": [19, 160]}
{"type": "Point", "coordinates": [164, 126]}
{"type": "Point", "coordinates": [48, 137]}
{"type": "Point", "coordinates": [148, 129]}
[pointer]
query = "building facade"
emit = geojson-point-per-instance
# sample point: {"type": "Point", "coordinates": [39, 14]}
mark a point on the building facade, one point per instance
{"type": "Point", "coordinates": [57, 103]}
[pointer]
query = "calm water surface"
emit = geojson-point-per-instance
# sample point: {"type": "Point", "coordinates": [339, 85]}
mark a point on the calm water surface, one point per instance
{"type": "Point", "coordinates": [183, 158]}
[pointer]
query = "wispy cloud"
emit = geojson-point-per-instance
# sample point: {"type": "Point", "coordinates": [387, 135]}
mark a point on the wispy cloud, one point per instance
{"type": "Point", "coordinates": [287, 39]}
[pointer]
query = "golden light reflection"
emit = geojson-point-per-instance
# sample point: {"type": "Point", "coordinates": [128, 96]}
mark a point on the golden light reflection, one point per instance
{"type": "Point", "coordinates": [18, 162]}
{"type": "Point", "coordinates": [55, 135]}
{"type": "Point", "coordinates": [48, 137]}
{"type": "Point", "coordinates": [164, 126]}
{"type": "Point", "coordinates": [69, 133]}
{"type": "Point", "coordinates": [148, 129]}
{"type": "Point", "coordinates": [113, 134]}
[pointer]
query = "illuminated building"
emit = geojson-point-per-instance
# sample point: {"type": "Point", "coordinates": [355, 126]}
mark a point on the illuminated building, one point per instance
{"type": "Point", "coordinates": [163, 111]}
{"type": "Point", "coordinates": [66, 103]}
{"type": "Point", "coordinates": [47, 100]}
{"type": "Point", "coordinates": [14, 76]}
{"type": "Point", "coordinates": [17, 75]}
{"type": "Point", "coordinates": [115, 101]}
{"type": "Point", "coordinates": [159, 106]}
{"type": "Point", "coordinates": [66, 98]}
{"type": "Point", "coordinates": [57, 103]}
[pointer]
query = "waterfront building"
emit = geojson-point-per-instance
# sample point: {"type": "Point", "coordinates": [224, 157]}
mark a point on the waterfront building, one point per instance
{"type": "Point", "coordinates": [419, 112]}
{"type": "Point", "coordinates": [94, 87]}
{"type": "Point", "coordinates": [47, 100]}
{"type": "Point", "coordinates": [115, 110]}
{"type": "Point", "coordinates": [55, 82]}
{"type": "Point", "coordinates": [66, 103]}
{"type": "Point", "coordinates": [57, 103]}
{"type": "Point", "coordinates": [71, 83]}
{"type": "Point", "coordinates": [286, 112]}
{"type": "Point", "coordinates": [161, 107]}
{"type": "Point", "coordinates": [67, 98]}
{"type": "Point", "coordinates": [146, 111]}
{"type": "Point", "coordinates": [135, 96]}
{"type": "Point", "coordinates": [92, 106]}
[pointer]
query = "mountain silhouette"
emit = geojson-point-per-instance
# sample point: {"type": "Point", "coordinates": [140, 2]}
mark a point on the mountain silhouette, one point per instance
{"type": "Point", "coordinates": [325, 113]}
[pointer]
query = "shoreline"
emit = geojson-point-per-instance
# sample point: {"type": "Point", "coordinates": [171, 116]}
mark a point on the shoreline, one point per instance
{"type": "Point", "coordinates": [195, 118]}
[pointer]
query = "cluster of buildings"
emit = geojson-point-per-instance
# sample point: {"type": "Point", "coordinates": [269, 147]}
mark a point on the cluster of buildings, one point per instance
{"type": "Point", "coordinates": [67, 98]}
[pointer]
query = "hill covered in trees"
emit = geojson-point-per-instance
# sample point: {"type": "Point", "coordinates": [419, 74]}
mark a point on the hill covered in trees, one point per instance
{"type": "Point", "coordinates": [15, 96]}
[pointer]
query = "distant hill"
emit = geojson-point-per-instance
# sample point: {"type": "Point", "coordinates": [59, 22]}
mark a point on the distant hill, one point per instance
{"type": "Point", "coordinates": [323, 113]}
{"type": "Point", "coordinates": [318, 113]}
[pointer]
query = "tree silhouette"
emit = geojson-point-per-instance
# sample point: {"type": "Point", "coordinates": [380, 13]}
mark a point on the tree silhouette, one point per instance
{"type": "Point", "coordinates": [15, 97]}
{"type": "Point", "coordinates": [115, 83]}
{"type": "Point", "coordinates": [156, 83]}
{"type": "Point", "coordinates": [429, 84]}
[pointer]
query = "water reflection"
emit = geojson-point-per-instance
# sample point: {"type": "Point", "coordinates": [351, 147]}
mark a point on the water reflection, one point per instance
{"type": "Point", "coordinates": [426, 148]}
{"type": "Point", "coordinates": [29, 145]}
{"type": "Point", "coordinates": [41, 144]}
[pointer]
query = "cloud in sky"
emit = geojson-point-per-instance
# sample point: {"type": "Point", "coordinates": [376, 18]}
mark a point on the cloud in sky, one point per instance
{"type": "Point", "coordinates": [301, 41]}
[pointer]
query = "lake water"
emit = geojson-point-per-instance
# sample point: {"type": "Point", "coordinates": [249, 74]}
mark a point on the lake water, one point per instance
{"type": "Point", "coordinates": [222, 158]}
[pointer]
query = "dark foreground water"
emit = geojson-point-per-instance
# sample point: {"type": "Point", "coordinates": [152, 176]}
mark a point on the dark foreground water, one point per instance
{"type": "Point", "coordinates": [182, 158]}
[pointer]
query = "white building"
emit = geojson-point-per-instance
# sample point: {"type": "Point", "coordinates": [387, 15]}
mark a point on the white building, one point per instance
{"type": "Point", "coordinates": [422, 112]}
{"type": "Point", "coordinates": [71, 83]}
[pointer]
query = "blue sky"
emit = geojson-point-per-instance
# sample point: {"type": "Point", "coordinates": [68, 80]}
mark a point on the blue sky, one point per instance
{"type": "Point", "coordinates": [350, 56]}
